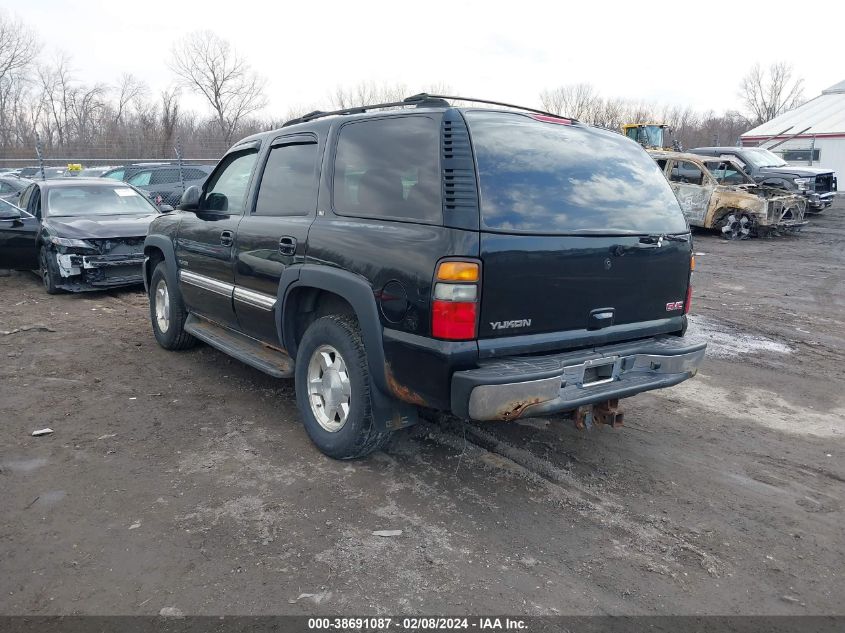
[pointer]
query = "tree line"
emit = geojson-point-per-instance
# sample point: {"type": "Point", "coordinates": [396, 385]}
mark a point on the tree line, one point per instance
{"type": "Point", "coordinates": [43, 103]}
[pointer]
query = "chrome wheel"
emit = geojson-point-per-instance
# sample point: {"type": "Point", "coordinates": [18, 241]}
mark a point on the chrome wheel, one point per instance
{"type": "Point", "coordinates": [162, 306]}
{"type": "Point", "coordinates": [329, 389]}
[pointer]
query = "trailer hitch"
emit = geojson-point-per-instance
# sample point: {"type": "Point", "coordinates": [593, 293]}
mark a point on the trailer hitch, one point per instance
{"type": "Point", "coordinates": [606, 412]}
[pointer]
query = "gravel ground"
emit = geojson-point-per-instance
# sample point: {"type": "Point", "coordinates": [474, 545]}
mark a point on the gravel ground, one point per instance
{"type": "Point", "coordinates": [185, 481]}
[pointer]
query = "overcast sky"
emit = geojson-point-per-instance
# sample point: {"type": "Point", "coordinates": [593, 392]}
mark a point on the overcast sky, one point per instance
{"type": "Point", "coordinates": [679, 52]}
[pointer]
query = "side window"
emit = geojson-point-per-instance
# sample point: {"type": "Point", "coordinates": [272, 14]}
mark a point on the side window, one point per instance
{"type": "Point", "coordinates": [686, 172]}
{"type": "Point", "coordinates": [289, 182]}
{"type": "Point", "coordinates": [116, 175]}
{"type": "Point", "coordinates": [164, 176]}
{"type": "Point", "coordinates": [226, 188]}
{"type": "Point", "coordinates": [23, 203]}
{"type": "Point", "coordinates": [141, 179]}
{"type": "Point", "coordinates": [192, 174]}
{"type": "Point", "coordinates": [34, 204]}
{"type": "Point", "coordinates": [389, 168]}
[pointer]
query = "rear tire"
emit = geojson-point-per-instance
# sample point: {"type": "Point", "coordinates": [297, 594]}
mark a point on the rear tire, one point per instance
{"type": "Point", "coordinates": [167, 313]}
{"type": "Point", "coordinates": [49, 270]}
{"type": "Point", "coordinates": [334, 390]}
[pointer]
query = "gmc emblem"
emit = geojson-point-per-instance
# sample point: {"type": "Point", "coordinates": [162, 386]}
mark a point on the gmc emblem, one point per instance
{"type": "Point", "coordinates": [674, 305]}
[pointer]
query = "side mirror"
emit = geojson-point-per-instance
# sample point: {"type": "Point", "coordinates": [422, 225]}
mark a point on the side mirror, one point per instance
{"type": "Point", "coordinates": [190, 199]}
{"type": "Point", "coordinates": [165, 208]}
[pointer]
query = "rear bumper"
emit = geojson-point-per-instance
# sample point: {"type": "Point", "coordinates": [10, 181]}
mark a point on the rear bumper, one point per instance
{"type": "Point", "coordinates": [510, 388]}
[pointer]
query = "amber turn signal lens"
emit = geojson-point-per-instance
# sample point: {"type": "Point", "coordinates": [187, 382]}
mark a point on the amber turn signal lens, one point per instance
{"type": "Point", "coordinates": [457, 271]}
{"type": "Point", "coordinates": [692, 262]}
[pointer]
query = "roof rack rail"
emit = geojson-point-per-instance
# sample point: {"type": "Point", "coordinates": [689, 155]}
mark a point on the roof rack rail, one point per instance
{"type": "Point", "coordinates": [421, 100]}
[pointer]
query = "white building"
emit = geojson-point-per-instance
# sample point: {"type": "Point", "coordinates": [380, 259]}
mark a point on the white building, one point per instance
{"type": "Point", "coordinates": [812, 134]}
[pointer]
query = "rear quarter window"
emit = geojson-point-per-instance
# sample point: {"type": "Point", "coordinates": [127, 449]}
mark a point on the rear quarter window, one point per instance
{"type": "Point", "coordinates": [389, 168]}
{"type": "Point", "coordinates": [546, 178]}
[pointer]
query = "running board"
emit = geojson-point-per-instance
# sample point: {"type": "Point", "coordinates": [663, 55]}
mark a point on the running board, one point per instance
{"type": "Point", "coordinates": [245, 349]}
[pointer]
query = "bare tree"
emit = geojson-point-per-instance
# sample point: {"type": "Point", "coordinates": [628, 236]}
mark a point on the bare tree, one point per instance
{"type": "Point", "coordinates": [18, 48]}
{"type": "Point", "coordinates": [576, 100]}
{"type": "Point", "coordinates": [769, 93]}
{"type": "Point", "coordinates": [169, 118]}
{"type": "Point", "coordinates": [367, 92]}
{"type": "Point", "coordinates": [56, 82]}
{"type": "Point", "coordinates": [130, 90]}
{"type": "Point", "coordinates": [18, 45]}
{"type": "Point", "coordinates": [206, 64]}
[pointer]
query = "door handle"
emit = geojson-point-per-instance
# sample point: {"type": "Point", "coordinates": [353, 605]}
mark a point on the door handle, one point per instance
{"type": "Point", "coordinates": [287, 245]}
{"type": "Point", "coordinates": [226, 238]}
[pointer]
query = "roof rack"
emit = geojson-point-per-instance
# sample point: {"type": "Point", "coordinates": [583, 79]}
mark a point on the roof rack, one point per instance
{"type": "Point", "coordinates": [421, 100]}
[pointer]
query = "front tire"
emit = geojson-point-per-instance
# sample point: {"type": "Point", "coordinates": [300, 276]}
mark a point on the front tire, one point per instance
{"type": "Point", "coordinates": [167, 313]}
{"type": "Point", "coordinates": [736, 226]}
{"type": "Point", "coordinates": [334, 390]}
{"type": "Point", "coordinates": [48, 269]}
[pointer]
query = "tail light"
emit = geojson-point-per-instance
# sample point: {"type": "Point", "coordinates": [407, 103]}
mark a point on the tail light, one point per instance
{"type": "Point", "coordinates": [454, 309]}
{"type": "Point", "coordinates": [688, 302]}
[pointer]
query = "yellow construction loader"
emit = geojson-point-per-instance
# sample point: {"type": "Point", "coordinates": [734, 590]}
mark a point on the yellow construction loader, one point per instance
{"type": "Point", "coordinates": [649, 135]}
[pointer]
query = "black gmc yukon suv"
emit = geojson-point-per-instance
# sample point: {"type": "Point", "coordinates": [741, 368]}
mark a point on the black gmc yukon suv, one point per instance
{"type": "Point", "coordinates": [491, 263]}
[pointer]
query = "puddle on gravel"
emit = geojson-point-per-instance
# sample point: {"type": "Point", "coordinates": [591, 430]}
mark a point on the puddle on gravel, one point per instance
{"type": "Point", "coordinates": [725, 341]}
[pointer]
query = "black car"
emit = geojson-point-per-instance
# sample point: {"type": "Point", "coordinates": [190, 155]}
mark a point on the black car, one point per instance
{"type": "Point", "coordinates": [11, 187]}
{"type": "Point", "coordinates": [161, 180]}
{"type": "Point", "coordinates": [491, 263]}
{"type": "Point", "coordinates": [79, 233]}
{"type": "Point", "coordinates": [818, 185]}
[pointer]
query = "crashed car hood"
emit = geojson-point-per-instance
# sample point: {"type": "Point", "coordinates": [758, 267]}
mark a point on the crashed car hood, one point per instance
{"type": "Point", "coordinates": [100, 226]}
{"type": "Point", "coordinates": [795, 170]}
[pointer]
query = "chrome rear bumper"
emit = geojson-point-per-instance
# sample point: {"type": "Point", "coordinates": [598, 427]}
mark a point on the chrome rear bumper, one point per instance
{"type": "Point", "coordinates": [506, 389]}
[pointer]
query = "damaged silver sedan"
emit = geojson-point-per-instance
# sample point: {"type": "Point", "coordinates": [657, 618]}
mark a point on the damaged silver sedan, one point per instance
{"type": "Point", "coordinates": [80, 234]}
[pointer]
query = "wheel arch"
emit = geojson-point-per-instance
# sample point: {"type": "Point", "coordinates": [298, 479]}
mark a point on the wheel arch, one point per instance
{"type": "Point", "coordinates": [307, 287]}
{"type": "Point", "coordinates": [159, 248]}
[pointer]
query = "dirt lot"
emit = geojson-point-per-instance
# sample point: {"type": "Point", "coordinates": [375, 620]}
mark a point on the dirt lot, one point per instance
{"type": "Point", "coordinates": [185, 480]}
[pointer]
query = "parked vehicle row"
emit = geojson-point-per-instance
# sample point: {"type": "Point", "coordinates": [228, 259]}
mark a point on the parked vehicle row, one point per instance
{"type": "Point", "coordinates": [816, 184]}
{"type": "Point", "coordinates": [163, 181]}
{"type": "Point", "coordinates": [715, 193]}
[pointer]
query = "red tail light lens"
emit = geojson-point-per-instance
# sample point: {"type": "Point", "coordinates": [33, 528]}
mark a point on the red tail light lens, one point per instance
{"type": "Point", "coordinates": [688, 303]}
{"type": "Point", "coordinates": [453, 320]}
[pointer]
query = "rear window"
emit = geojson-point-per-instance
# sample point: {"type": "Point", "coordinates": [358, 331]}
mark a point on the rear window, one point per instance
{"type": "Point", "coordinates": [389, 168]}
{"type": "Point", "coordinates": [538, 177]}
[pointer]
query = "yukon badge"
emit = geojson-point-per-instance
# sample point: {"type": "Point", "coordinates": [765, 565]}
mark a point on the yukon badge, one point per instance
{"type": "Point", "coordinates": [504, 325]}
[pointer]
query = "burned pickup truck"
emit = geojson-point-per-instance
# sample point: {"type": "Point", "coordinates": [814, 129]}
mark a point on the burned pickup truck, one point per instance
{"type": "Point", "coordinates": [717, 194]}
